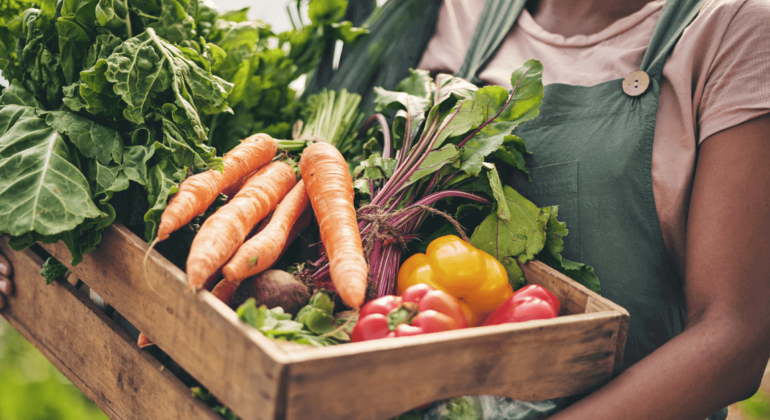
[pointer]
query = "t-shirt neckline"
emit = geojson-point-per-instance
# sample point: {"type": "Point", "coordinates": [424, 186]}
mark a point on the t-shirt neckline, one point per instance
{"type": "Point", "coordinates": [527, 23]}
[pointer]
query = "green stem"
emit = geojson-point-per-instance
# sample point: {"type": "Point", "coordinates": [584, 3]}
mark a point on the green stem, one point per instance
{"type": "Point", "coordinates": [211, 130]}
{"type": "Point", "coordinates": [128, 21]}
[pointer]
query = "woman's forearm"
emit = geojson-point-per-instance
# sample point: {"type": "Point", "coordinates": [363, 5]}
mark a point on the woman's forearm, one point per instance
{"type": "Point", "coordinates": [714, 363]}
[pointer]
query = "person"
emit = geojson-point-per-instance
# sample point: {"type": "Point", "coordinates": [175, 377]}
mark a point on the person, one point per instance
{"type": "Point", "coordinates": [653, 138]}
{"type": "Point", "coordinates": [6, 285]}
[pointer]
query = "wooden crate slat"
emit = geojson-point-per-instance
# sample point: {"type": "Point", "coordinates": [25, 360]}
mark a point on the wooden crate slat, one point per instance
{"type": "Point", "coordinates": [92, 351]}
{"type": "Point", "coordinates": [575, 295]}
{"type": "Point", "coordinates": [397, 378]}
{"type": "Point", "coordinates": [232, 360]}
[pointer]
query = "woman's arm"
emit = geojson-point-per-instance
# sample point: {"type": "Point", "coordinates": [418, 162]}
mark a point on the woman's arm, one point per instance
{"type": "Point", "coordinates": [721, 355]}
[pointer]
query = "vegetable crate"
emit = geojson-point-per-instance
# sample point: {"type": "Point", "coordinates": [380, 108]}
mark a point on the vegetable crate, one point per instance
{"type": "Point", "coordinates": [261, 379]}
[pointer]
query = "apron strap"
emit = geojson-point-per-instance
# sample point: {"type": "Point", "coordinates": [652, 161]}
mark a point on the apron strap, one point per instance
{"type": "Point", "coordinates": [496, 20]}
{"type": "Point", "coordinates": [675, 17]}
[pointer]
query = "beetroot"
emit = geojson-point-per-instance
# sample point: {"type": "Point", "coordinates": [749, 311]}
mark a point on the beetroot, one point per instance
{"type": "Point", "coordinates": [273, 288]}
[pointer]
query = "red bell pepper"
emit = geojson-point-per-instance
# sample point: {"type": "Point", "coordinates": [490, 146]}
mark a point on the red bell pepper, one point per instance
{"type": "Point", "coordinates": [420, 310]}
{"type": "Point", "coordinates": [528, 303]}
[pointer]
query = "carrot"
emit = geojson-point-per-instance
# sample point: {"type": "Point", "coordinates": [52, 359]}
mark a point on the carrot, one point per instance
{"type": "Point", "coordinates": [263, 250]}
{"type": "Point", "coordinates": [225, 230]}
{"type": "Point", "coordinates": [197, 192]}
{"type": "Point", "coordinates": [225, 291]}
{"type": "Point", "coordinates": [330, 189]}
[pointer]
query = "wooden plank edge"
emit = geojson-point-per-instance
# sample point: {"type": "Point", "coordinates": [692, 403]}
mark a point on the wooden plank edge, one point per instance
{"type": "Point", "coordinates": [530, 265]}
{"type": "Point", "coordinates": [169, 380]}
{"type": "Point", "coordinates": [318, 354]}
{"type": "Point", "coordinates": [262, 360]}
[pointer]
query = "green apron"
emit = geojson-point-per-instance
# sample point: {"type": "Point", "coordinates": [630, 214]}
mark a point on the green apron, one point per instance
{"type": "Point", "coordinates": [592, 156]}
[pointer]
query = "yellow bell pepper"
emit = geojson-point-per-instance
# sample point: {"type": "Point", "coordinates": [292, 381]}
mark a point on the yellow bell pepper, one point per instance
{"type": "Point", "coordinates": [450, 264]}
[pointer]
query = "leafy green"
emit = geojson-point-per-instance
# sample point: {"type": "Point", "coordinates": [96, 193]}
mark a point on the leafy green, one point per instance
{"type": "Point", "coordinates": [52, 270]}
{"type": "Point", "coordinates": [554, 245]}
{"type": "Point", "coordinates": [314, 324]}
{"type": "Point", "coordinates": [40, 189]}
{"type": "Point", "coordinates": [518, 239]}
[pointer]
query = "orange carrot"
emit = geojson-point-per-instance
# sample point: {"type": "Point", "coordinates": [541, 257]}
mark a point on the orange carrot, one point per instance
{"type": "Point", "coordinates": [225, 291]}
{"type": "Point", "coordinates": [143, 341]}
{"type": "Point", "coordinates": [197, 192]}
{"type": "Point", "coordinates": [330, 188]}
{"type": "Point", "coordinates": [263, 250]}
{"type": "Point", "coordinates": [225, 230]}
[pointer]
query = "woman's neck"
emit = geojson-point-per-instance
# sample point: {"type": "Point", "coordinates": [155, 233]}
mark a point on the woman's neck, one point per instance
{"type": "Point", "coordinates": [580, 17]}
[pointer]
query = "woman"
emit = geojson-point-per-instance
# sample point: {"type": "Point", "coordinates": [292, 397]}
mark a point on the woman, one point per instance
{"type": "Point", "coordinates": [654, 140]}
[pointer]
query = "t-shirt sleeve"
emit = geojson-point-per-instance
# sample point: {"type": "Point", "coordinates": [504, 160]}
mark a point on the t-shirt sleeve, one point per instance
{"type": "Point", "coordinates": [738, 85]}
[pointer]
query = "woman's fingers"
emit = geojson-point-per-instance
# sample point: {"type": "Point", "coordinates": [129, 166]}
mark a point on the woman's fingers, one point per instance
{"type": "Point", "coordinates": [5, 266]}
{"type": "Point", "coordinates": [6, 286]}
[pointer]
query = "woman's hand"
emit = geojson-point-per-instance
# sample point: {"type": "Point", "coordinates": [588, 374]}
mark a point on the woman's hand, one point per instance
{"type": "Point", "coordinates": [6, 285]}
{"type": "Point", "coordinates": [720, 357]}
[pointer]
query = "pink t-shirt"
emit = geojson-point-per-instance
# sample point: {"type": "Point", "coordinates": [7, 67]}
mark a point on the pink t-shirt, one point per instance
{"type": "Point", "coordinates": [718, 76]}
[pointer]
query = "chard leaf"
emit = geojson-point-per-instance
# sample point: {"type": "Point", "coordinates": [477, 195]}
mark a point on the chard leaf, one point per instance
{"type": "Point", "coordinates": [554, 245]}
{"type": "Point", "coordinates": [17, 95]}
{"type": "Point", "coordinates": [108, 179]}
{"type": "Point", "coordinates": [346, 32]}
{"type": "Point", "coordinates": [162, 181]}
{"type": "Point", "coordinates": [375, 167]}
{"type": "Point", "coordinates": [520, 238]}
{"type": "Point", "coordinates": [435, 160]}
{"type": "Point", "coordinates": [111, 14]}
{"type": "Point", "coordinates": [418, 84]}
{"type": "Point", "coordinates": [450, 86]}
{"type": "Point", "coordinates": [98, 93]}
{"type": "Point", "coordinates": [323, 11]}
{"type": "Point", "coordinates": [73, 44]}
{"type": "Point", "coordinates": [92, 139]}
{"type": "Point", "coordinates": [174, 24]}
{"type": "Point", "coordinates": [512, 152]}
{"type": "Point", "coordinates": [386, 99]}
{"type": "Point", "coordinates": [52, 270]}
{"type": "Point", "coordinates": [144, 66]}
{"type": "Point", "coordinates": [497, 191]}
{"type": "Point", "coordinates": [40, 190]}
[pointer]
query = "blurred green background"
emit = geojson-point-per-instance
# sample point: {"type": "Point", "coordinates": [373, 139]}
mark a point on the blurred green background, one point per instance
{"type": "Point", "coordinates": [32, 389]}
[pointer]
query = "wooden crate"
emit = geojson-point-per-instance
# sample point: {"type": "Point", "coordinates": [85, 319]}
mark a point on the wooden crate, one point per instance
{"type": "Point", "coordinates": [259, 379]}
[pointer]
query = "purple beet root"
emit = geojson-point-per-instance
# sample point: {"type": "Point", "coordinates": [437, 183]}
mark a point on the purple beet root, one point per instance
{"type": "Point", "coordinates": [273, 288]}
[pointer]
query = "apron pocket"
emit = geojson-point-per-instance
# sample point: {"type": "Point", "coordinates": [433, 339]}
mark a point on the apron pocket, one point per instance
{"type": "Point", "coordinates": [556, 185]}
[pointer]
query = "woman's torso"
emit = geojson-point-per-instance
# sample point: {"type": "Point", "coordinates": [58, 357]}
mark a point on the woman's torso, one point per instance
{"type": "Point", "coordinates": [699, 95]}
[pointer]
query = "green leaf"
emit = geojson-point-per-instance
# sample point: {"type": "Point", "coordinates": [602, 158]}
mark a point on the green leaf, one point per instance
{"type": "Point", "coordinates": [162, 182]}
{"type": "Point", "coordinates": [375, 168]}
{"type": "Point", "coordinates": [40, 190]}
{"type": "Point", "coordinates": [520, 238]}
{"type": "Point", "coordinates": [497, 191]}
{"type": "Point", "coordinates": [436, 159]}
{"type": "Point", "coordinates": [386, 99]}
{"type": "Point", "coordinates": [512, 152]}
{"type": "Point", "coordinates": [418, 84]}
{"type": "Point", "coordinates": [346, 32]}
{"type": "Point", "coordinates": [17, 95]}
{"type": "Point", "coordinates": [324, 11]}
{"type": "Point", "coordinates": [144, 66]}
{"type": "Point", "coordinates": [52, 270]}
{"type": "Point", "coordinates": [450, 86]}
{"type": "Point", "coordinates": [92, 139]}
{"type": "Point", "coordinates": [174, 24]}
{"type": "Point", "coordinates": [554, 245]}
{"type": "Point", "coordinates": [240, 15]}
{"type": "Point", "coordinates": [73, 44]}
